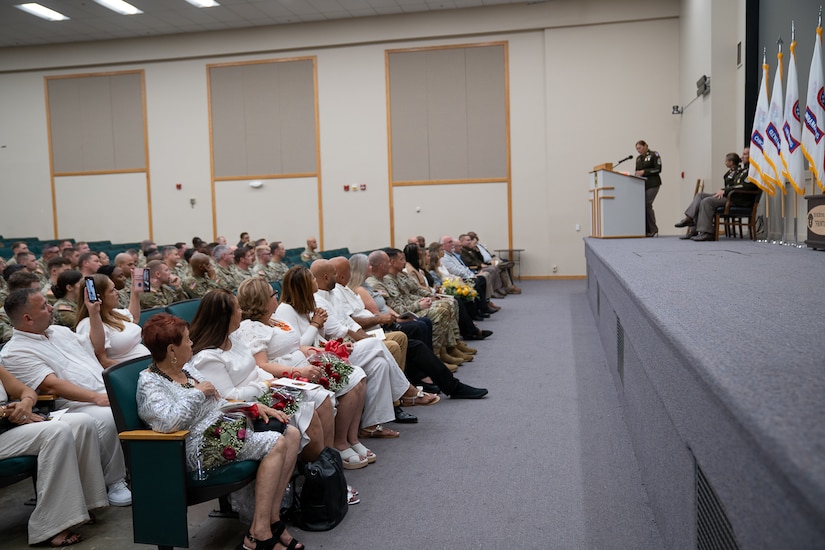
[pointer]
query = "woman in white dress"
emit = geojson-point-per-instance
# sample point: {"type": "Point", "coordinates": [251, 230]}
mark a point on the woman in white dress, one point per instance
{"type": "Point", "coordinates": [277, 349]}
{"type": "Point", "coordinates": [385, 381]}
{"type": "Point", "coordinates": [222, 356]}
{"type": "Point", "coordinates": [113, 332]}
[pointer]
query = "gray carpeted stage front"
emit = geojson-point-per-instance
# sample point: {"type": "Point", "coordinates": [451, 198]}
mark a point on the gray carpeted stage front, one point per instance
{"type": "Point", "coordinates": [718, 356]}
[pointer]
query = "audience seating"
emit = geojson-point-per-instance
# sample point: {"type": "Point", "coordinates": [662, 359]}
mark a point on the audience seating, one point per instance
{"type": "Point", "coordinates": [734, 215]}
{"type": "Point", "coordinates": [17, 469]}
{"type": "Point", "coordinates": [161, 487]}
{"type": "Point", "coordinates": [147, 313]}
{"type": "Point", "coordinates": [185, 309]}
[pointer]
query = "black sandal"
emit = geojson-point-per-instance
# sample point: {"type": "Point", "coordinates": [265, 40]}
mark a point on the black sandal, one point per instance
{"type": "Point", "coordinates": [268, 544]}
{"type": "Point", "coordinates": [278, 529]}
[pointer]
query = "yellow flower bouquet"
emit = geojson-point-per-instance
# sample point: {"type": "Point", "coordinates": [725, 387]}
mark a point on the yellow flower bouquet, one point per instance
{"type": "Point", "coordinates": [459, 288]}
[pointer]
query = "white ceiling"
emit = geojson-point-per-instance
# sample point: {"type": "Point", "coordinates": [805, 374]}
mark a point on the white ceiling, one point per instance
{"type": "Point", "coordinates": [90, 21]}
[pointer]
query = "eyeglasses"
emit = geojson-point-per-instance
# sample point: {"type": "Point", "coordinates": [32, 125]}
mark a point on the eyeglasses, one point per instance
{"type": "Point", "coordinates": [274, 295]}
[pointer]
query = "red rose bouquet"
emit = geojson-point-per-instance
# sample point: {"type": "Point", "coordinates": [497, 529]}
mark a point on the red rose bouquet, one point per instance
{"type": "Point", "coordinates": [336, 370]}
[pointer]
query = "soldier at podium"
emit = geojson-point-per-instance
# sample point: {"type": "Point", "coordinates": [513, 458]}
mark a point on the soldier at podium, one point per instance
{"type": "Point", "coordinates": [649, 166]}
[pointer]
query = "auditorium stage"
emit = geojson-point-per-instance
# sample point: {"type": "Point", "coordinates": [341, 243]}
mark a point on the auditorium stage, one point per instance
{"type": "Point", "coordinates": [718, 355]}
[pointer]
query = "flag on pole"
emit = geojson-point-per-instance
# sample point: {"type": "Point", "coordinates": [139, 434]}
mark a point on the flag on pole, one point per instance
{"type": "Point", "coordinates": [813, 144]}
{"type": "Point", "coordinates": [758, 164]}
{"type": "Point", "coordinates": [773, 130]}
{"type": "Point", "coordinates": [793, 167]}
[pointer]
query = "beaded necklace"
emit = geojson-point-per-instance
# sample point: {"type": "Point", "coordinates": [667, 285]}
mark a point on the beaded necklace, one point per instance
{"type": "Point", "coordinates": [189, 379]}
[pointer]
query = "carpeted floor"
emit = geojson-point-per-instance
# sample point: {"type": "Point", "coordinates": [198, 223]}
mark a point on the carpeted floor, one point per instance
{"type": "Point", "coordinates": [544, 462]}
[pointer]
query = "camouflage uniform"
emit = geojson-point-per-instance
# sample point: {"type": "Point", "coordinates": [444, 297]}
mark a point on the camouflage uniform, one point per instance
{"type": "Point", "coordinates": [4, 293]}
{"type": "Point", "coordinates": [240, 275]}
{"type": "Point", "coordinates": [409, 285]}
{"type": "Point", "coordinates": [279, 268]}
{"type": "Point", "coordinates": [310, 255]}
{"type": "Point", "coordinates": [401, 301]}
{"type": "Point", "coordinates": [65, 312]}
{"type": "Point", "coordinates": [5, 326]}
{"type": "Point", "coordinates": [124, 295]}
{"type": "Point", "coordinates": [197, 287]}
{"type": "Point", "coordinates": [162, 297]}
{"type": "Point", "coordinates": [182, 269]}
{"type": "Point", "coordinates": [49, 294]}
{"type": "Point", "coordinates": [265, 271]}
{"type": "Point", "coordinates": [225, 277]}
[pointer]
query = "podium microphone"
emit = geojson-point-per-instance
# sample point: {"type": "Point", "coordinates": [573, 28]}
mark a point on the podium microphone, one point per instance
{"type": "Point", "coordinates": [628, 157]}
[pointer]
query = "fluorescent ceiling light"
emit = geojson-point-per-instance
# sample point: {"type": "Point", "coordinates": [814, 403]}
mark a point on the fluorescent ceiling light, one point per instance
{"type": "Point", "coordinates": [123, 8]}
{"type": "Point", "coordinates": [42, 12]}
{"type": "Point", "coordinates": [203, 3]}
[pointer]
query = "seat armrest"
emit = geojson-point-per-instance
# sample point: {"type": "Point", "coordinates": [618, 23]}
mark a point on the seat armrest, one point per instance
{"type": "Point", "coordinates": [150, 435]}
{"type": "Point", "coordinates": [47, 401]}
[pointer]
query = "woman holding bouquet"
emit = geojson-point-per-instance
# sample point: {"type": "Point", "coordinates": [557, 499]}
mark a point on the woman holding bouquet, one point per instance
{"type": "Point", "coordinates": [385, 381]}
{"type": "Point", "coordinates": [225, 361]}
{"type": "Point", "coordinates": [276, 347]}
{"type": "Point", "coordinates": [172, 396]}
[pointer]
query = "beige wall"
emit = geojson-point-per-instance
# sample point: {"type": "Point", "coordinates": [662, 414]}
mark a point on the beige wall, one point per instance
{"type": "Point", "coordinates": [587, 79]}
{"type": "Point", "coordinates": [712, 125]}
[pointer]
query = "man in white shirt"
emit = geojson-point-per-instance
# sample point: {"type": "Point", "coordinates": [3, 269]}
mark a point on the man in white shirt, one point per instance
{"type": "Point", "coordinates": [52, 359]}
{"type": "Point", "coordinates": [371, 354]}
{"type": "Point", "coordinates": [422, 363]}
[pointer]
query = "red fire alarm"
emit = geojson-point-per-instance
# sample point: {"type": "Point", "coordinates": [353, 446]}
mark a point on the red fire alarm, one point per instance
{"type": "Point", "coordinates": [178, 186]}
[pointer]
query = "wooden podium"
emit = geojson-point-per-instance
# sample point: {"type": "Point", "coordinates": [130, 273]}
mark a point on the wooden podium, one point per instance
{"type": "Point", "coordinates": [617, 204]}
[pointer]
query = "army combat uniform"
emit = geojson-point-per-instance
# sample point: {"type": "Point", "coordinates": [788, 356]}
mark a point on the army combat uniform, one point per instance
{"type": "Point", "coordinates": [65, 313]}
{"type": "Point", "coordinates": [162, 297]}
{"type": "Point", "coordinates": [197, 287]}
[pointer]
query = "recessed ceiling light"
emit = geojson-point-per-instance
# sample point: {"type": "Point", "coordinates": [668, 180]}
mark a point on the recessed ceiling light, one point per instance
{"type": "Point", "coordinates": [203, 3]}
{"type": "Point", "coordinates": [42, 12]}
{"type": "Point", "coordinates": [123, 8]}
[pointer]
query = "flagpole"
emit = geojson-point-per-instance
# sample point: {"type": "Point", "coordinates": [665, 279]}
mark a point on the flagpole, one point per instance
{"type": "Point", "coordinates": [795, 195]}
{"type": "Point", "coordinates": [780, 179]}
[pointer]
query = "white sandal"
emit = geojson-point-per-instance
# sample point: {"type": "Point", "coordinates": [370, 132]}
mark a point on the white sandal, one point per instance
{"type": "Point", "coordinates": [351, 460]}
{"type": "Point", "coordinates": [363, 451]}
{"type": "Point", "coordinates": [352, 496]}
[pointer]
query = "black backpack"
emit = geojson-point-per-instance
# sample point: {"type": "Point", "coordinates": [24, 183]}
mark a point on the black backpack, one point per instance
{"type": "Point", "coordinates": [319, 493]}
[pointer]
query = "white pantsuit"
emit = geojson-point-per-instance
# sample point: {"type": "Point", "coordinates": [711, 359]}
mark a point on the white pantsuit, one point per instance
{"type": "Point", "coordinates": [69, 476]}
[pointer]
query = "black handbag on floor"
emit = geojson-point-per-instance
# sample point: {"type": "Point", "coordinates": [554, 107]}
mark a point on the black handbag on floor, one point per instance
{"type": "Point", "coordinates": [321, 500]}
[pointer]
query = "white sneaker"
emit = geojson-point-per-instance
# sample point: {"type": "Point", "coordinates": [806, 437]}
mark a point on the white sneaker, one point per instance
{"type": "Point", "coordinates": [119, 494]}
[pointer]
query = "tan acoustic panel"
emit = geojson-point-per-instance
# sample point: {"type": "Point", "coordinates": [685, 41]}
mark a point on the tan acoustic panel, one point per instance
{"type": "Point", "coordinates": [263, 118]}
{"type": "Point", "coordinates": [487, 117]}
{"type": "Point", "coordinates": [97, 123]}
{"type": "Point", "coordinates": [408, 114]}
{"type": "Point", "coordinates": [448, 113]}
